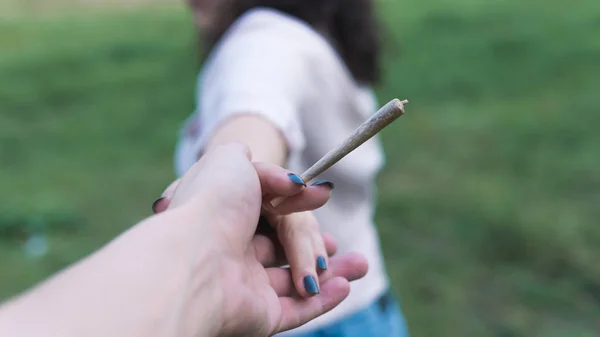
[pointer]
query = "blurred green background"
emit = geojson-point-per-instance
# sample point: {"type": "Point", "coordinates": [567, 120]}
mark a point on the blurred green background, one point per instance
{"type": "Point", "coordinates": [490, 201]}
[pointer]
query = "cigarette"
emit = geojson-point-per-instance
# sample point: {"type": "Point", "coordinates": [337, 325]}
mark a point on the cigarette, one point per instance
{"type": "Point", "coordinates": [382, 118]}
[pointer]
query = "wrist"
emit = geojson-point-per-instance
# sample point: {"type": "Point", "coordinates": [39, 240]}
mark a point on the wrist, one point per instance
{"type": "Point", "coordinates": [196, 309]}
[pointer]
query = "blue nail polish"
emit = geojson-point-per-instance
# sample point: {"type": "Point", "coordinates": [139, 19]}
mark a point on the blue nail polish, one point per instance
{"type": "Point", "coordinates": [321, 263]}
{"type": "Point", "coordinates": [296, 179]}
{"type": "Point", "coordinates": [327, 183]}
{"type": "Point", "coordinates": [155, 203]}
{"type": "Point", "coordinates": [311, 285]}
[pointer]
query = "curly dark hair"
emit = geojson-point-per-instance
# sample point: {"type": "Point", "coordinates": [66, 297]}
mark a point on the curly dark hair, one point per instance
{"type": "Point", "coordinates": [350, 24]}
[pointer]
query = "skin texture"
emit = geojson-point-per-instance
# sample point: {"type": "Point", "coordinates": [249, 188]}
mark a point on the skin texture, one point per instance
{"type": "Point", "coordinates": [298, 232]}
{"type": "Point", "coordinates": [195, 269]}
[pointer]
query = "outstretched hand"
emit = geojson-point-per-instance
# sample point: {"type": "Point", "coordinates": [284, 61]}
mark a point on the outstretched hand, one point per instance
{"type": "Point", "coordinates": [225, 190]}
{"type": "Point", "coordinates": [195, 270]}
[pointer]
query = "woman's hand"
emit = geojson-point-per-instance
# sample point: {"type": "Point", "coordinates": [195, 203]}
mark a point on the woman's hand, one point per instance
{"type": "Point", "coordinates": [252, 292]}
{"type": "Point", "coordinates": [296, 228]}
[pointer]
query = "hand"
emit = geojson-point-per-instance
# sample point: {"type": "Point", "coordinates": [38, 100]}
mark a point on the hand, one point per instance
{"type": "Point", "coordinates": [225, 182]}
{"type": "Point", "coordinates": [194, 270]}
{"type": "Point", "coordinates": [295, 227]}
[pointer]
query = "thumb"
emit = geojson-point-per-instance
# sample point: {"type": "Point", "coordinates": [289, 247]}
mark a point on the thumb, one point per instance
{"type": "Point", "coordinates": [163, 202]}
{"type": "Point", "coordinates": [223, 186]}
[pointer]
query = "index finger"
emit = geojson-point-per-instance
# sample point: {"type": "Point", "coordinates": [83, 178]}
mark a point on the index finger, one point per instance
{"type": "Point", "coordinates": [275, 180]}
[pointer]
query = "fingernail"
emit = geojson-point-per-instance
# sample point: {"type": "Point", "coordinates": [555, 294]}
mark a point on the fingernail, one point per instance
{"type": "Point", "coordinates": [321, 263]}
{"type": "Point", "coordinates": [296, 179]}
{"type": "Point", "coordinates": [310, 285]}
{"type": "Point", "coordinates": [327, 183]}
{"type": "Point", "coordinates": [155, 203]}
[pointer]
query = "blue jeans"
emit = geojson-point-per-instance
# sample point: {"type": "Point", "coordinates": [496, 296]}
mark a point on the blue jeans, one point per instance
{"type": "Point", "coordinates": [383, 318]}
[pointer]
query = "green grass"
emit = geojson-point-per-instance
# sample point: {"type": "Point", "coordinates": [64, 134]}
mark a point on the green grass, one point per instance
{"type": "Point", "coordinates": [489, 202]}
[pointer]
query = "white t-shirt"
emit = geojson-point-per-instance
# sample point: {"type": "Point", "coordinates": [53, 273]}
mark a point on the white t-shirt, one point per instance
{"type": "Point", "coordinates": [280, 68]}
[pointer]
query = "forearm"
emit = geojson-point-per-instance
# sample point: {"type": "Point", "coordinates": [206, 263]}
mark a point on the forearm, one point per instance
{"type": "Point", "coordinates": [136, 286]}
{"type": "Point", "coordinates": [265, 140]}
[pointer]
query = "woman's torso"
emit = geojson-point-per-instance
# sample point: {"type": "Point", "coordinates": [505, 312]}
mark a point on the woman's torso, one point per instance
{"type": "Point", "coordinates": [333, 107]}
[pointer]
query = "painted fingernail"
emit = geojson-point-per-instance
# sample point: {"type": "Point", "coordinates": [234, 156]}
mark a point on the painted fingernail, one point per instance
{"type": "Point", "coordinates": [310, 285]}
{"type": "Point", "coordinates": [296, 179]}
{"type": "Point", "coordinates": [321, 263]}
{"type": "Point", "coordinates": [155, 203]}
{"type": "Point", "coordinates": [327, 183]}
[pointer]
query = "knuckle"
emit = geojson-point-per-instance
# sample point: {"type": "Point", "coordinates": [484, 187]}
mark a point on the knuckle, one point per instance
{"type": "Point", "coordinates": [298, 224]}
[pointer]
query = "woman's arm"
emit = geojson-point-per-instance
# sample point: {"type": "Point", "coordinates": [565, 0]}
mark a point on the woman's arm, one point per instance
{"type": "Point", "coordinates": [265, 141]}
{"type": "Point", "coordinates": [299, 233]}
{"type": "Point", "coordinates": [252, 91]}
